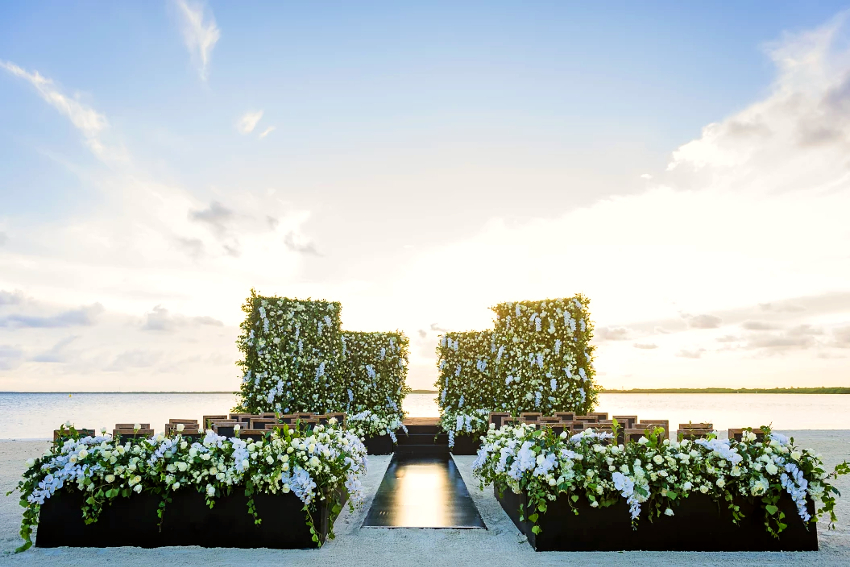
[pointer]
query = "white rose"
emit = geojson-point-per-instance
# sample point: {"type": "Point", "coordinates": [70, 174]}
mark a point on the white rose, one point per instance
{"type": "Point", "coordinates": [180, 427]}
{"type": "Point", "coordinates": [83, 454]}
{"type": "Point", "coordinates": [182, 466]}
{"type": "Point", "coordinates": [270, 459]}
{"type": "Point", "coordinates": [110, 478]}
{"type": "Point", "coordinates": [175, 486]}
{"type": "Point", "coordinates": [138, 488]}
{"type": "Point", "coordinates": [721, 483]}
{"type": "Point", "coordinates": [771, 468]}
{"type": "Point", "coordinates": [796, 455]}
{"type": "Point", "coordinates": [668, 512]}
{"type": "Point", "coordinates": [657, 459]}
{"type": "Point", "coordinates": [210, 490]}
{"type": "Point", "coordinates": [30, 463]}
{"type": "Point", "coordinates": [703, 489]}
{"type": "Point", "coordinates": [594, 504]}
{"type": "Point", "coordinates": [137, 426]}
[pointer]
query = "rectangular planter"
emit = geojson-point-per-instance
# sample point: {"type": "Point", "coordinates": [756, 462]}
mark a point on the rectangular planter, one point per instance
{"type": "Point", "coordinates": [380, 445]}
{"type": "Point", "coordinates": [698, 525]}
{"type": "Point", "coordinates": [467, 444]}
{"type": "Point", "coordinates": [186, 521]}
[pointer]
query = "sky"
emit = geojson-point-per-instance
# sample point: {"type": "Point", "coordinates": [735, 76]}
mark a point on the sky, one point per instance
{"type": "Point", "coordinates": [684, 166]}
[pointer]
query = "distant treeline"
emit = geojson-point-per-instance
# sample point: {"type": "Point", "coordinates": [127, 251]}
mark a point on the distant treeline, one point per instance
{"type": "Point", "coordinates": [730, 391]}
{"type": "Point", "coordinates": [423, 391]}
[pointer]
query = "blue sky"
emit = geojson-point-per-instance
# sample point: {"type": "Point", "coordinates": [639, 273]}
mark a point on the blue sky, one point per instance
{"type": "Point", "coordinates": [388, 148]}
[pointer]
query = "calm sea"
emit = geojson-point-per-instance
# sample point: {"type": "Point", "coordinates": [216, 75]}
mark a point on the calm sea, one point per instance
{"type": "Point", "coordinates": [35, 416]}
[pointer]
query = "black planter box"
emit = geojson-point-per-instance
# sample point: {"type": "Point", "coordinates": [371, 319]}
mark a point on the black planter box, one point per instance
{"type": "Point", "coordinates": [187, 520]}
{"type": "Point", "coordinates": [381, 445]}
{"type": "Point", "coordinates": [467, 444]}
{"type": "Point", "coordinates": [698, 525]}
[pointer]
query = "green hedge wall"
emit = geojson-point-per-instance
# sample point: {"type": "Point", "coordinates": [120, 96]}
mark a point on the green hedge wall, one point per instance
{"type": "Point", "coordinates": [296, 358]}
{"type": "Point", "coordinates": [373, 368]}
{"type": "Point", "coordinates": [537, 358]}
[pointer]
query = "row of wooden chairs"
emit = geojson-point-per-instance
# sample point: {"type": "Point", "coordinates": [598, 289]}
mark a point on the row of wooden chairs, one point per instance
{"type": "Point", "coordinates": [257, 425]}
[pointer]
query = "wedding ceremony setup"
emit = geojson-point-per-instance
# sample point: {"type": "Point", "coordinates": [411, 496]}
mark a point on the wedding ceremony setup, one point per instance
{"type": "Point", "coordinates": [316, 401]}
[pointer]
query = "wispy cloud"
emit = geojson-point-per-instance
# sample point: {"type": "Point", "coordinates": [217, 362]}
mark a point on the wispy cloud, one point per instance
{"type": "Point", "coordinates": [248, 122]}
{"type": "Point", "coordinates": [87, 120]}
{"type": "Point", "coordinates": [267, 131]}
{"type": "Point", "coordinates": [84, 316]}
{"type": "Point", "coordinates": [200, 34]}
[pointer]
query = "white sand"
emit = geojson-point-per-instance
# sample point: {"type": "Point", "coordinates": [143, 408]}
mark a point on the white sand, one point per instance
{"type": "Point", "coordinates": [501, 544]}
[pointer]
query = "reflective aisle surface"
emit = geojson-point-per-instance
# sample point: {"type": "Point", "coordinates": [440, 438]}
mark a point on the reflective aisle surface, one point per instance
{"type": "Point", "coordinates": [423, 492]}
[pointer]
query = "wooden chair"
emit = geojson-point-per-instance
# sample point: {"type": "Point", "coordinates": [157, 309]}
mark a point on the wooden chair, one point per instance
{"type": "Point", "coordinates": [565, 415]}
{"type": "Point", "coordinates": [692, 434]}
{"type": "Point", "coordinates": [497, 417]}
{"type": "Point", "coordinates": [82, 432]}
{"type": "Point", "coordinates": [262, 423]}
{"type": "Point", "coordinates": [227, 428]}
{"type": "Point", "coordinates": [600, 415]}
{"type": "Point", "coordinates": [627, 421]}
{"type": "Point", "coordinates": [737, 433]}
{"type": "Point", "coordinates": [587, 418]}
{"type": "Point", "coordinates": [131, 434]}
{"type": "Point", "coordinates": [510, 421]}
{"type": "Point", "coordinates": [530, 416]}
{"type": "Point", "coordinates": [655, 423]}
{"type": "Point", "coordinates": [208, 419]}
{"type": "Point", "coordinates": [630, 435]}
{"type": "Point", "coordinates": [130, 426]}
{"type": "Point", "coordinates": [340, 418]}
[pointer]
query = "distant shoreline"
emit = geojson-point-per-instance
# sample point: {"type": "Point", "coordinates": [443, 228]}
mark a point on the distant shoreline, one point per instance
{"type": "Point", "coordinates": [821, 390]}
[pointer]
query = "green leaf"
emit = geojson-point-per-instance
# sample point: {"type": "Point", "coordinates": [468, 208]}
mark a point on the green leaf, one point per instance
{"type": "Point", "coordinates": [771, 509]}
{"type": "Point", "coordinates": [534, 517]}
{"type": "Point", "coordinates": [536, 530]}
{"type": "Point", "coordinates": [574, 497]}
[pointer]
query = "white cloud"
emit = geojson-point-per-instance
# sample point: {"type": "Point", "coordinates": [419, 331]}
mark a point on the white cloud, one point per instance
{"type": "Point", "coordinates": [199, 32]}
{"type": "Point", "coordinates": [248, 122]}
{"type": "Point", "coordinates": [87, 120]}
{"type": "Point", "coordinates": [267, 131]}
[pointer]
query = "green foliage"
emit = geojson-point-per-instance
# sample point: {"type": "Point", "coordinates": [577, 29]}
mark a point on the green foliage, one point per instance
{"type": "Point", "coordinates": [296, 358]}
{"type": "Point", "coordinates": [537, 358]}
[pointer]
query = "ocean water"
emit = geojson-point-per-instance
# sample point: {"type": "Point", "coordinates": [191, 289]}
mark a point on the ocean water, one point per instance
{"type": "Point", "coordinates": [35, 416]}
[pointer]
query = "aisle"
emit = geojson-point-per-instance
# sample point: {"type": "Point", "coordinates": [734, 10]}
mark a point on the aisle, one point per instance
{"type": "Point", "coordinates": [423, 491]}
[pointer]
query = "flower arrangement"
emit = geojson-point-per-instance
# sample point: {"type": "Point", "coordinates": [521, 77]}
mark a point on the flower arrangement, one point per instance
{"type": "Point", "coordinates": [655, 474]}
{"type": "Point", "coordinates": [316, 463]}
{"type": "Point", "coordinates": [473, 423]}
{"type": "Point", "coordinates": [296, 358]}
{"type": "Point", "coordinates": [537, 358]}
{"type": "Point", "coordinates": [368, 424]}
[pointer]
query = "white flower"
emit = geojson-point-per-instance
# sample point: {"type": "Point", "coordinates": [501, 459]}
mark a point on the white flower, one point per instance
{"type": "Point", "coordinates": [657, 459]}
{"type": "Point", "coordinates": [720, 482]}
{"type": "Point", "coordinates": [137, 426]}
{"type": "Point", "coordinates": [668, 512]}
{"type": "Point", "coordinates": [30, 463]}
{"type": "Point", "coordinates": [210, 490]}
{"type": "Point", "coordinates": [643, 440]}
{"type": "Point", "coordinates": [110, 478]}
{"type": "Point", "coordinates": [138, 488]}
{"type": "Point", "coordinates": [771, 469]}
{"type": "Point", "coordinates": [795, 455]}
{"type": "Point", "coordinates": [594, 504]}
{"type": "Point", "coordinates": [180, 427]}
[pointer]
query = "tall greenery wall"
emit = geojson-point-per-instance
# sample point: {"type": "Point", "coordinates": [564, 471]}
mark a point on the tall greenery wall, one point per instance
{"type": "Point", "coordinates": [538, 357]}
{"type": "Point", "coordinates": [295, 357]}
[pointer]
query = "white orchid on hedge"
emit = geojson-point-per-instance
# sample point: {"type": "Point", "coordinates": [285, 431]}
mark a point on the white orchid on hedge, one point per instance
{"type": "Point", "coordinates": [656, 473]}
{"type": "Point", "coordinates": [315, 463]}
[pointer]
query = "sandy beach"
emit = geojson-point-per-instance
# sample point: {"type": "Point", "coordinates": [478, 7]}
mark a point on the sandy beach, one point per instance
{"type": "Point", "coordinates": [500, 544]}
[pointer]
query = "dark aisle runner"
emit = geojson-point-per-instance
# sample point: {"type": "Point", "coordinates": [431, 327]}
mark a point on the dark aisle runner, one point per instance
{"type": "Point", "coordinates": [423, 491]}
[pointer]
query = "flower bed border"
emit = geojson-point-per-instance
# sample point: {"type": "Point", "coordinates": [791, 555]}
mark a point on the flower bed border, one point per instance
{"type": "Point", "coordinates": [379, 445]}
{"type": "Point", "coordinates": [699, 524]}
{"type": "Point", "coordinates": [187, 520]}
{"type": "Point", "coordinates": [466, 444]}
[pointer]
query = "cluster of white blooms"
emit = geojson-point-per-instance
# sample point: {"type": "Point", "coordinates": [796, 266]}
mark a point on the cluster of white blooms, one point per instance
{"type": "Point", "coordinates": [314, 462]}
{"type": "Point", "coordinates": [468, 422]}
{"type": "Point", "coordinates": [537, 358]}
{"type": "Point", "coordinates": [368, 424]}
{"type": "Point", "coordinates": [296, 358]}
{"type": "Point", "coordinates": [655, 471]}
